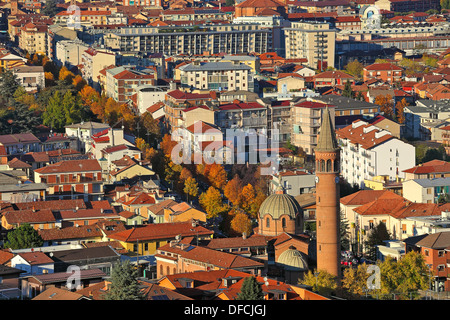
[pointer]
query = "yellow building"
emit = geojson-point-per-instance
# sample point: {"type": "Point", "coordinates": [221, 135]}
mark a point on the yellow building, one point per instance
{"type": "Point", "coordinates": [146, 240]}
{"type": "Point", "coordinates": [171, 215]}
{"type": "Point", "coordinates": [130, 172]}
{"type": "Point", "coordinates": [251, 61]}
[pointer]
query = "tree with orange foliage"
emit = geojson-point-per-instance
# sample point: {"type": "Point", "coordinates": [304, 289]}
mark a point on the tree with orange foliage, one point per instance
{"type": "Point", "coordinates": [78, 82]}
{"type": "Point", "coordinates": [65, 75]}
{"type": "Point", "coordinates": [167, 144]}
{"type": "Point", "coordinates": [386, 105]}
{"type": "Point", "coordinates": [217, 176]}
{"type": "Point", "coordinates": [233, 191]}
{"type": "Point", "coordinates": [241, 224]}
{"type": "Point", "coordinates": [400, 110]}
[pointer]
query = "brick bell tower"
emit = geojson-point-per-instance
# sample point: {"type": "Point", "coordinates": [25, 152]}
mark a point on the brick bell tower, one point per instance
{"type": "Point", "coordinates": [327, 155]}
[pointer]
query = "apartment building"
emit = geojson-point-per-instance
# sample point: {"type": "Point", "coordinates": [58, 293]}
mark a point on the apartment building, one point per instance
{"type": "Point", "coordinates": [426, 190]}
{"type": "Point", "coordinates": [121, 82]}
{"type": "Point", "coordinates": [368, 151]}
{"type": "Point", "coordinates": [217, 76]}
{"type": "Point", "coordinates": [95, 17]}
{"type": "Point", "coordinates": [386, 72]}
{"type": "Point", "coordinates": [191, 40]}
{"type": "Point", "coordinates": [176, 102]}
{"type": "Point", "coordinates": [312, 40]}
{"type": "Point", "coordinates": [94, 60]}
{"type": "Point", "coordinates": [68, 52]}
{"type": "Point", "coordinates": [33, 38]}
{"type": "Point", "coordinates": [71, 179]}
{"type": "Point", "coordinates": [306, 117]}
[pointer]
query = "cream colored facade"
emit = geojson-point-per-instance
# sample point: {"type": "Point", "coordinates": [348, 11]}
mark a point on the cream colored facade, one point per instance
{"type": "Point", "coordinates": [287, 84]}
{"type": "Point", "coordinates": [306, 120]}
{"type": "Point", "coordinates": [136, 170]}
{"type": "Point", "coordinates": [33, 39]}
{"type": "Point", "coordinates": [314, 41]}
{"type": "Point", "coordinates": [188, 118]}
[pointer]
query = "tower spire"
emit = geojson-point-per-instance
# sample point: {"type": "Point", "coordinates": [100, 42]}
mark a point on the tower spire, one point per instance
{"type": "Point", "coordinates": [327, 137]}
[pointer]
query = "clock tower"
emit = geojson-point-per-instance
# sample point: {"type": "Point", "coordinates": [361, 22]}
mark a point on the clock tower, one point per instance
{"type": "Point", "coordinates": [327, 155]}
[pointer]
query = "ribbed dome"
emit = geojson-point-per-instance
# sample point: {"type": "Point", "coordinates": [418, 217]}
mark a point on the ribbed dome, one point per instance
{"type": "Point", "coordinates": [292, 260]}
{"type": "Point", "coordinates": [279, 204]}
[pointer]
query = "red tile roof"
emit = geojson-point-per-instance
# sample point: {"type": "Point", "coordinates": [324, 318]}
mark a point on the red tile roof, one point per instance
{"type": "Point", "coordinates": [433, 166]}
{"type": "Point", "coordinates": [160, 231]}
{"type": "Point", "coordinates": [34, 258]}
{"type": "Point", "coordinates": [71, 166]}
{"type": "Point", "coordinates": [28, 216]}
{"type": "Point", "coordinates": [383, 66]}
{"type": "Point", "coordinates": [366, 140]}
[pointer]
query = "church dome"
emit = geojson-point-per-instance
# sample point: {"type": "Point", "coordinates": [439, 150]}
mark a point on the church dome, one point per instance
{"type": "Point", "coordinates": [292, 260]}
{"type": "Point", "coordinates": [280, 204]}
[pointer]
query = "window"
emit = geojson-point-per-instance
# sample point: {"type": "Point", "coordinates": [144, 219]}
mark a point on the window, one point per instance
{"type": "Point", "coordinates": [283, 222]}
{"type": "Point", "coordinates": [267, 223]}
{"type": "Point", "coordinates": [426, 252]}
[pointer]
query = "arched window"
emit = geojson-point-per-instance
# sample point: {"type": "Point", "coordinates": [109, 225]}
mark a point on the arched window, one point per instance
{"type": "Point", "coordinates": [267, 222]}
{"type": "Point", "coordinates": [336, 165]}
{"type": "Point", "coordinates": [161, 270]}
{"type": "Point", "coordinates": [283, 222]}
{"type": "Point", "coordinates": [322, 165]}
{"type": "Point", "coordinates": [168, 270]}
{"type": "Point", "coordinates": [329, 168]}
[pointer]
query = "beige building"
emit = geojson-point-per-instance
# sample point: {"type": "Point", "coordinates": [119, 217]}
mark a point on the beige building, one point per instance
{"type": "Point", "coordinates": [33, 38]}
{"type": "Point", "coordinates": [93, 61]}
{"type": "Point", "coordinates": [312, 40]}
{"type": "Point", "coordinates": [306, 120]}
{"type": "Point", "coordinates": [290, 82]}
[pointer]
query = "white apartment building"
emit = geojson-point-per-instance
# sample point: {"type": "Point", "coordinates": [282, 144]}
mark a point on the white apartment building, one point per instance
{"type": "Point", "coordinates": [68, 52]}
{"type": "Point", "coordinates": [367, 151]}
{"type": "Point", "coordinates": [217, 76]}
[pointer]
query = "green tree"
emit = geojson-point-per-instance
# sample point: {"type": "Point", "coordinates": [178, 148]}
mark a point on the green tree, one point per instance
{"type": "Point", "coordinates": [348, 92]}
{"type": "Point", "coordinates": [376, 236]}
{"type": "Point", "coordinates": [8, 84]}
{"type": "Point", "coordinates": [50, 9]}
{"type": "Point", "coordinates": [344, 227]}
{"type": "Point", "coordinates": [250, 290]}
{"type": "Point", "coordinates": [23, 237]}
{"type": "Point", "coordinates": [124, 283]}
{"type": "Point", "coordinates": [321, 281]}
{"type": "Point", "coordinates": [355, 68]}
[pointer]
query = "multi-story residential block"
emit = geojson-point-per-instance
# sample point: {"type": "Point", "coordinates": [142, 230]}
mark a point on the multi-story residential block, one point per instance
{"type": "Point", "coordinates": [348, 106]}
{"type": "Point", "coordinates": [311, 40]}
{"type": "Point", "coordinates": [72, 179]}
{"type": "Point", "coordinates": [176, 101]}
{"type": "Point", "coordinates": [306, 117]}
{"type": "Point", "coordinates": [94, 60]}
{"type": "Point", "coordinates": [434, 248]}
{"type": "Point", "coordinates": [68, 52]}
{"type": "Point", "coordinates": [217, 76]}
{"type": "Point", "coordinates": [94, 17]}
{"type": "Point", "coordinates": [121, 82]}
{"type": "Point", "coordinates": [386, 72]}
{"type": "Point", "coordinates": [244, 116]}
{"type": "Point", "coordinates": [367, 151]}
{"type": "Point", "coordinates": [173, 40]}
{"type": "Point", "coordinates": [408, 6]}
{"type": "Point", "coordinates": [426, 190]}
{"type": "Point", "coordinates": [32, 78]}
{"type": "Point", "coordinates": [293, 182]}
{"type": "Point", "coordinates": [429, 170]}
{"type": "Point", "coordinates": [33, 38]}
